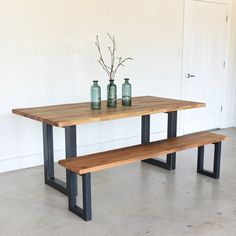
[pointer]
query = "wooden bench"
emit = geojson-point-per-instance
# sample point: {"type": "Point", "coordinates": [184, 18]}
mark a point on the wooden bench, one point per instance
{"type": "Point", "coordinates": [85, 165]}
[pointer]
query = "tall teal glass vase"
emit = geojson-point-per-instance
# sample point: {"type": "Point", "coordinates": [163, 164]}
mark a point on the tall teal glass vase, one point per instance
{"type": "Point", "coordinates": [126, 93]}
{"type": "Point", "coordinates": [95, 95]}
{"type": "Point", "coordinates": [111, 94]}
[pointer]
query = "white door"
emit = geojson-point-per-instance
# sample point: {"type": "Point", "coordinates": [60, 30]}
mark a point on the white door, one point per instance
{"type": "Point", "coordinates": [203, 66]}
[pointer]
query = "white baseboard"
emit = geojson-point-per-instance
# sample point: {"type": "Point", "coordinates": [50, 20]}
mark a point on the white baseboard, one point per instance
{"type": "Point", "coordinates": [234, 123]}
{"type": "Point", "coordinates": [37, 159]}
{"type": "Point", "coordinates": [20, 162]}
{"type": "Point", "coordinates": [227, 123]}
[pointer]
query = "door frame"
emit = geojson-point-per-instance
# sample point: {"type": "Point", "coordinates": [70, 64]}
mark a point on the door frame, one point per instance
{"type": "Point", "coordinates": [226, 76]}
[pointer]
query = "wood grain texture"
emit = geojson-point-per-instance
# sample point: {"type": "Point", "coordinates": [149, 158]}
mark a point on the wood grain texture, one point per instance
{"type": "Point", "coordinates": [81, 113]}
{"type": "Point", "coordinates": [105, 160]}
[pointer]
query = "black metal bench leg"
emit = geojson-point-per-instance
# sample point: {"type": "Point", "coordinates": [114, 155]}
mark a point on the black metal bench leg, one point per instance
{"type": "Point", "coordinates": [217, 158]}
{"type": "Point", "coordinates": [85, 212]}
{"type": "Point", "coordinates": [200, 159]}
{"type": "Point", "coordinates": [170, 163]}
{"type": "Point", "coordinates": [49, 161]}
{"type": "Point", "coordinates": [216, 166]}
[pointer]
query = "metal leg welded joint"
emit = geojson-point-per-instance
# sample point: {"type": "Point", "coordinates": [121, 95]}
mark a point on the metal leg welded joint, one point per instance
{"type": "Point", "coordinates": [216, 166]}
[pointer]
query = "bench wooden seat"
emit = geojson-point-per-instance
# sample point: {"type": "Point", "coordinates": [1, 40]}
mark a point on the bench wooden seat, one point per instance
{"type": "Point", "coordinates": [84, 165]}
{"type": "Point", "coordinates": [104, 160]}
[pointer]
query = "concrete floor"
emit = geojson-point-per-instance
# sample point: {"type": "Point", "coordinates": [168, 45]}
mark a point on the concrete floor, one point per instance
{"type": "Point", "coordinates": [137, 199]}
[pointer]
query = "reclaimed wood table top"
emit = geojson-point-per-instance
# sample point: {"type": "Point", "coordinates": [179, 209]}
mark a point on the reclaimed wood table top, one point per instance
{"type": "Point", "coordinates": [80, 113]}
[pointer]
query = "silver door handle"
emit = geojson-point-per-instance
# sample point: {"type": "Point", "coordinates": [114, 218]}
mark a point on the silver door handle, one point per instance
{"type": "Point", "coordinates": [190, 76]}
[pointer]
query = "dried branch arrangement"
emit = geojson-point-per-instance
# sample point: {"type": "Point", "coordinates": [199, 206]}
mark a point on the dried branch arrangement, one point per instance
{"type": "Point", "coordinates": [116, 62]}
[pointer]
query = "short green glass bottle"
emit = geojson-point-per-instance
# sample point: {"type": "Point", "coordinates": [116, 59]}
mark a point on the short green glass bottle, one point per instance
{"type": "Point", "coordinates": [126, 93]}
{"type": "Point", "coordinates": [111, 94]}
{"type": "Point", "coordinates": [95, 95]}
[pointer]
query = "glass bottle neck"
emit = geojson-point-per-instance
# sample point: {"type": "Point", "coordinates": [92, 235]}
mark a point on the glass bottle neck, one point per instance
{"type": "Point", "coordinates": [111, 81]}
{"type": "Point", "coordinates": [126, 80]}
{"type": "Point", "coordinates": [95, 82]}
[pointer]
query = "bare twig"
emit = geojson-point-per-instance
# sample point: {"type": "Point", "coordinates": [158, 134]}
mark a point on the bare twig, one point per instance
{"type": "Point", "coordinates": [110, 70]}
{"type": "Point", "coordinates": [121, 63]}
{"type": "Point", "coordinates": [112, 52]}
{"type": "Point", "coordinates": [101, 61]}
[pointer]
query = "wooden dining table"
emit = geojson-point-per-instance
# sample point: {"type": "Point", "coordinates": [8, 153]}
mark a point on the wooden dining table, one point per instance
{"type": "Point", "coordinates": [68, 116]}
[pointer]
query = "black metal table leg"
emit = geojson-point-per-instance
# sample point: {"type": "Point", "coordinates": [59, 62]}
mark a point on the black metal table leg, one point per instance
{"type": "Point", "coordinates": [170, 163]}
{"type": "Point", "coordinates": [172, 132]}
{"type": "Point", "coordinates": [145, 129]}
{"type": "Point", "coordinates": [85, 212]}
{"type": "Point", "coordinates": [49, 161]}
{"type": "Point", "coordinates": [71, 149]}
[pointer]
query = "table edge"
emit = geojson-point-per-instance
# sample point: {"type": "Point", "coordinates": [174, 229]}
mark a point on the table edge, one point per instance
{"type": "Point", "coordinates": [64, 124]}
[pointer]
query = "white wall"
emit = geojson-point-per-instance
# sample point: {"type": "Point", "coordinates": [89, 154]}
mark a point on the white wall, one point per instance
{"type": "Point", "coordinates": [233, 71]}
{"type": "Point", "coordinates": [48, 56]}
{"type": "Point", "coordinates": [230, 85]}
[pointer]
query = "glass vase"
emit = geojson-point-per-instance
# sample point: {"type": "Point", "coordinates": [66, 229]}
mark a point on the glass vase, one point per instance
{"type": "Point", "coordinates": [111, 94]}
{"type": "Point", "coordinates": [95, 95]}
{"type": "Point", "coordinates": [126, 93]}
